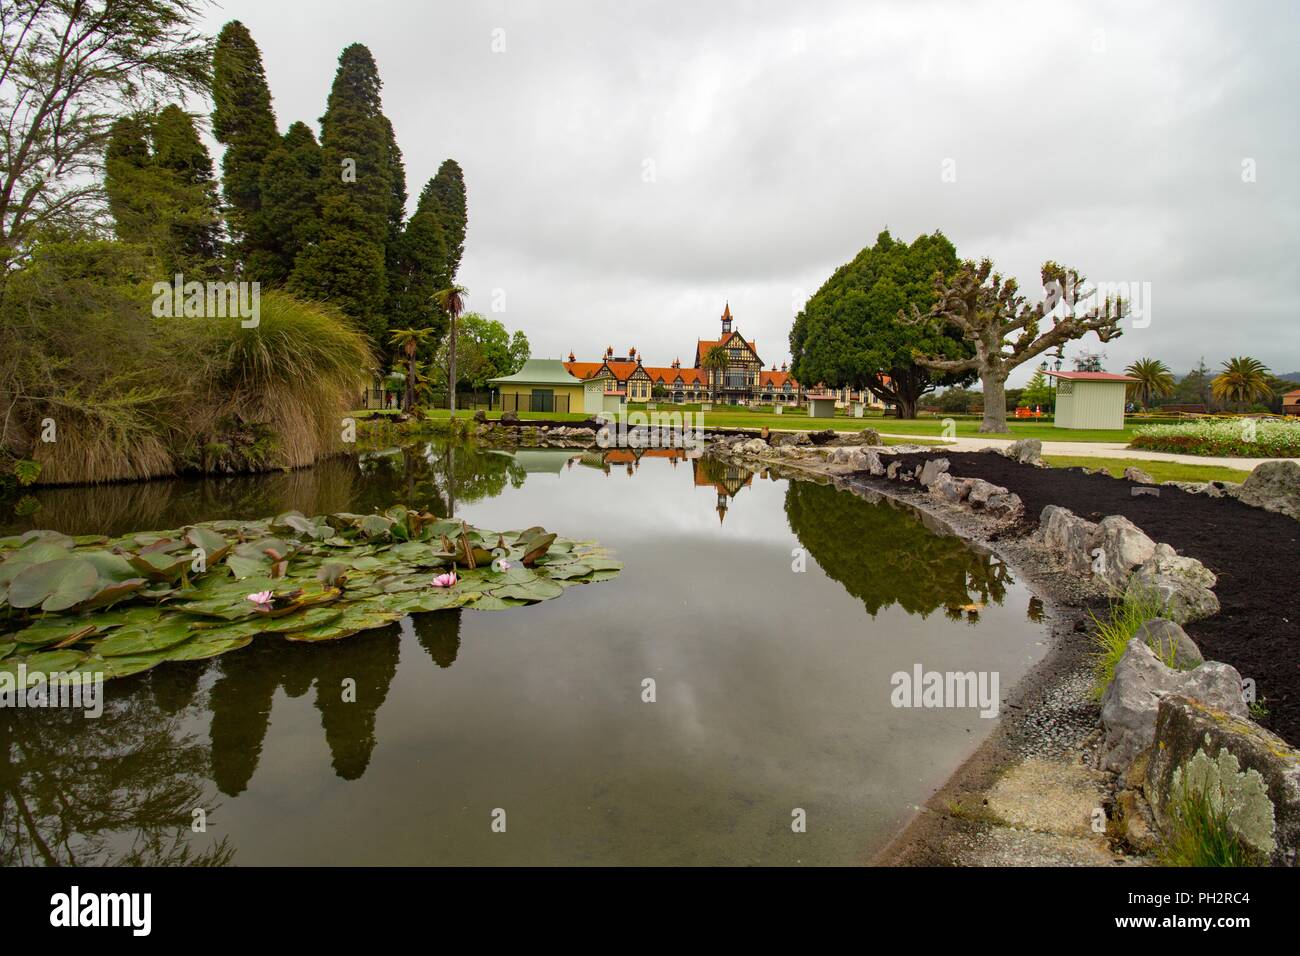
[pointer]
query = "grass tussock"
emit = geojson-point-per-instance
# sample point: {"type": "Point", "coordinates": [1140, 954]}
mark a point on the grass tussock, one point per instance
{"type": "Point", "coordinates": [1110, 635]}
{"type": "Point", "coordinates": [95, 388]}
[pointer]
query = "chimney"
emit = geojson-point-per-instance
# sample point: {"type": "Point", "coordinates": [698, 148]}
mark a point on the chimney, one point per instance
{"type": "Point", "coordinates": [631, 353]}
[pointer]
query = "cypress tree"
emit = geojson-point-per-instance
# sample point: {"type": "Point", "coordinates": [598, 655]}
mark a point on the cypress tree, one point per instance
{"type": "Point", "coordinates": [289, 183]}
{"type": "Point", "coordinates": [128, 180]}
{"type": "Point", "coordinates": [348, 266]}
{"type": "Point", "coordinates": [243, 121]}
{"type": "Point", "coordinates": [161, 191]}
{"type": "Point", "coordinates": [185, 169]}
{"type": "Point", "coordinates": [445, 193]}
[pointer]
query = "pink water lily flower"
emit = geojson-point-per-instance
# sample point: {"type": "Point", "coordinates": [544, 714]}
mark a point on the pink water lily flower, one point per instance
{"type": "Point", "coordinates": [504, 565]}
{"type": "Point", "coordinates": [444, 580]}
{"type": "Point", "coordinates": [262, 599]}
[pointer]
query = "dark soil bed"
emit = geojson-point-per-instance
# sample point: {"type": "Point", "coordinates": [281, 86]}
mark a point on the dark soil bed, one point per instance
{"type": "Point", "coordinates": [1255, 553]}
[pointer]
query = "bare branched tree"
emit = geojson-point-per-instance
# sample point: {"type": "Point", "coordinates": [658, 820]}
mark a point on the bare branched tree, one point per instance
{"type": "Point", "coordinates": [990, 313]}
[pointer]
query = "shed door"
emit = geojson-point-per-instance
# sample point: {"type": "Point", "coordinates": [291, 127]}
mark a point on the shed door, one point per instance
{"type": "Point", "coordinates": [543, 400]}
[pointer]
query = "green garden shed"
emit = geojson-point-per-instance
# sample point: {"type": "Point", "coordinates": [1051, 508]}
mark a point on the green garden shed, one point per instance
{"type": "Point", "coordinates": [1090, 399]}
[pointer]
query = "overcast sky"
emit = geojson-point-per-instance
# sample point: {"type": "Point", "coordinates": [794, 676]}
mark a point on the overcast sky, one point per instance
{"type": "Point", "coordinates": [631, 167]}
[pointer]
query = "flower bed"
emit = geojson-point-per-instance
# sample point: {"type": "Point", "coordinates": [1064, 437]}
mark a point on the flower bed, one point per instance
{"type": "Point", "coordinates": [1235, 437]}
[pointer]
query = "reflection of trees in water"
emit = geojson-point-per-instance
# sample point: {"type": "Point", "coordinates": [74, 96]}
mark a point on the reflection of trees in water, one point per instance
{"type": "Point", "coordinates": [117, 790]}
{"type": "Point", "coordinates": [331, 485]}
{"type": "Point", "coordinates": [885, 555]}
{"type": "Point", "coordinates": [241, 700]}
{"type": "Point", "coordinates": [425, 474]}
{"type": "Point", "coordinates": [121, 789]}
{"type": "Point", "coordinates": [438, 634]}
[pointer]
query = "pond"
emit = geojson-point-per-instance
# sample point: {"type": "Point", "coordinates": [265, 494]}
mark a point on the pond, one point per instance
{"type": "Point", "coordinates": [771, 686]}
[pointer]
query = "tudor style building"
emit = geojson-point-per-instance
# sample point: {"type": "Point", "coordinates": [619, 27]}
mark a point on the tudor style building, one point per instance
{"type": "Point", "coordinates": [744, 381]}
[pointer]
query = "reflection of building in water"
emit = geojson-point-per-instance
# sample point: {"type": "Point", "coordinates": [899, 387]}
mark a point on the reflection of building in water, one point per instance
{"type": "Point", "coordinates": [725, 477]}
{"type": "Point", "coordinates": [629, 459]}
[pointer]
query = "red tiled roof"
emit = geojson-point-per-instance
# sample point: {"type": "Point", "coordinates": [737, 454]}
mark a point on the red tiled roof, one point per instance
{"type": "Point", "coordinates": [583, 369]}
{"type": "Point", "coordinates": [775, 379]}
{"type": "Point", "coordinates": [690, 376]}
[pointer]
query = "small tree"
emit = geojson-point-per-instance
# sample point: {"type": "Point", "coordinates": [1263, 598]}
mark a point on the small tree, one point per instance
{"type": "Point", "coordinates": [1038, 392]}
{"type": "Point", "coordinates": [990, 313]}
{"type": "Point", "coordinates": [408, 342]}
{"type": "Point", "coordinates": [1154, 380]}
{"type": "Point", "coordinates": [452, 301]}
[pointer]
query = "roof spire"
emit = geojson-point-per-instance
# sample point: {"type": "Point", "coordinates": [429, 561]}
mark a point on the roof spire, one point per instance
{"type": "Point", "coordinates": [726, 318]}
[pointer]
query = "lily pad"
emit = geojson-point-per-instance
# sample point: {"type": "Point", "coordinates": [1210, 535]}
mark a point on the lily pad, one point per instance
{"type": "Point", "coordinates": [54, 585]}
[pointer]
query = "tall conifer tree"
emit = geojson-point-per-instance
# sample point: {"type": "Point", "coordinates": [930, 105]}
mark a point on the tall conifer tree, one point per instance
{"type": "Point", "coordinates": [348, 265]}
{"type": "Point", "coordinates": [289, 184]}
{"type": "Point", "coordinates": [243, 121]}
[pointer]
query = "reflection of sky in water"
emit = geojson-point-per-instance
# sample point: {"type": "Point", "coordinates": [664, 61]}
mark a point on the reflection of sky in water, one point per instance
{"type": "Point", "coordinates": [772, 687]}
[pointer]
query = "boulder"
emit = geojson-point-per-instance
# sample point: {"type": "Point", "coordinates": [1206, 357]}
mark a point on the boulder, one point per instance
{"type": "Point", "coordinates": [1181, 586]}
{"type": "Point", "coordinates": [1119, 547]}
{"type": "Point", "coordinates": [480, 416]}
{"type": "Point", "coordinates": [1067, 537]}
{"type": "Point", "coordinates": [871, 462]}
{"type": "Point", "coordinates": [947, 488]}
{"type": "Point", "coordinates": [754, 446]}
{"type": "Point", "coordinates": [823, 437]}
{"type": "Point", "coordinates": [1141, 681]}
{"type": "Point", "coordinates": [1138, 475]}
{"type": "Point", "coordinates": [981, 491]}
{"type": "Point", "coordinates": [1005, 506]}
{"type": "Point", "coordinates": [868, 436]}
{"type": "Point", "coordinates": [1170, 643]}
{"type": "Point", "coordinates": [1027, 451]}
{"type": "Point", "coordinates": [931, 470]}
{"type": "Point", "coordinates": [1273, 486]}
{"type": "Point", "coordinates": [1185, 726]}
{"type": "Point", "coordinates": [509, 418]}
{"type": "Point", "coordinates": [891, 472]}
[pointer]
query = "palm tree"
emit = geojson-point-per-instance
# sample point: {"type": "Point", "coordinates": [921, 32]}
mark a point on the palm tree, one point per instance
{"type": "Point", "coordinates": [452, 301]}
{"type": "Point", "coordinates": [408, 341]}
{"type": "Point", "coordinates": [1154, 380]}
{"type": "Point", "coordinates": [1242, 380]}
{"type": "Point", "coordinates": [715, 361]}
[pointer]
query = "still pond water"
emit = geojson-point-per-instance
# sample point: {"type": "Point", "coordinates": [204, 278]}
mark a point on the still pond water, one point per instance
{"type": "Point", "coordinates": [772, 687]}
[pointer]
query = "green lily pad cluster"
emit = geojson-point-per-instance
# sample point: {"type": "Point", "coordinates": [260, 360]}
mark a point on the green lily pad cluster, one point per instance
{"type": "Point", "coordinates": [91, 604]}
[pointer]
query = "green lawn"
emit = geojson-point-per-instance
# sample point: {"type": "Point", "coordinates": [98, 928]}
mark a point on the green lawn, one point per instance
{"type": "Point", "coordinates": [790, 421]}
{"type": "Point", "coordinates": [1159, 470]}
{"type": "Point", "coordinates": [970, 428]}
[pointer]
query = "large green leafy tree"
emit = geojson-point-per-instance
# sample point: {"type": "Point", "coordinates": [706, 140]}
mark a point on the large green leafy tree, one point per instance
{"type": "Point", "coordinates": [348, 265]}
{"type": "Point", "coordinates": [849, 333]}
{"type": "Point", "coordinates": [485, 349]}
{"type": "Point", "coordinates": [289, 183]}
{"type": "Point", "coordinates": [243, 121]}
{"type": "Point", "coordinates": [65, 68]}
{"type": "Point", "coordinates": [158, 178]}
